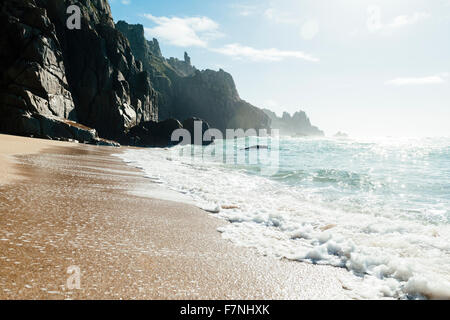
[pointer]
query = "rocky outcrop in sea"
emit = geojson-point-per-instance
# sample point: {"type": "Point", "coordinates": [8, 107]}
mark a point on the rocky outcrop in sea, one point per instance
{"type": "Point", "coordinates": [296, 125]}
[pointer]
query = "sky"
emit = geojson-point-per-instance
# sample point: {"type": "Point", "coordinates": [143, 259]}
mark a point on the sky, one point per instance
{"type": "Point", "coordinates": [364, 67]}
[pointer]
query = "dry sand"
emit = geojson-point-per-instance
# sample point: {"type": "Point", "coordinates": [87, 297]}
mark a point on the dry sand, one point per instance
{"type": "Point", "coordinates": [70, 205]}
{"type": "Point", "coordinates": [13, 145]}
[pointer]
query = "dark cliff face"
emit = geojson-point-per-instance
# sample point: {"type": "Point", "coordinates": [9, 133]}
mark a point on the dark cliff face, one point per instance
{"type": "Point", "coordinates": [88, 75]}
{"type": "Point", "coordinates": [32, 72]}
{"type": "Point", "coordinates": [154, 47]}
{"type": "Point", "coordinates": [111, 91]}
{"type": "Point", "coordinates": [212, 95]}
{"type": "Point", "coordinates": [102, 80]}
{"type": "Point", "coordinates": [162, 74]}
{"type": "Point", "coordinates": [185, 92]}
{"type": "Point", "coordinates": [296, 125]}
{"type": "Point", "coordinates": [184, 67]}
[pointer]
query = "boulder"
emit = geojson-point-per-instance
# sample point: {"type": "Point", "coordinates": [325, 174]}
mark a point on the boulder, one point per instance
{"type": "Point", "coordinates": [189, 125]}
{"type": "Point", "coordinates": [153, 134]}
{"type": "Point", "coordinates": [106, 143]}
{"type": "Point", "coordinates": [25, 123]}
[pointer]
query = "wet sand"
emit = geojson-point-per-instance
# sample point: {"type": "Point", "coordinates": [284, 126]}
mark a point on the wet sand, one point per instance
{"type": "Point", "coordinates": [69, 205]}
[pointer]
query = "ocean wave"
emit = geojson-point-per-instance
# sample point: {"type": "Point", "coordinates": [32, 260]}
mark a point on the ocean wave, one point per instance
{"type": "Point", "coordinates": [356, 205]}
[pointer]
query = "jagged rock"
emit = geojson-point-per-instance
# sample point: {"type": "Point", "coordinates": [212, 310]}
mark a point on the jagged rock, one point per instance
{"type": "Point", "coordinates": [106, 143]}
{"type": "Point", "coordinates": [296, 125]}
{"type": "Point", "coordinates": [88, 75]}
{"type": "Point", "coordinates": [184, 67]}
{"type": "Point", "coordinates": [111, 91]}
{"type": "Point", "coordinates": [25, 123]}
{"type": "Point", "coordinates": [163, 128]}
{"type": "Point", "coordinates": [162, 74]}
{"type": "Point", "coordinates": [185, 92]}
{"type": "Point", "coordinates": [33, 78]}
{"type": "Point", "coordinates": [153, 134]}
{"type": "Point", "coordinates": [154, 47]}
{"type": "Point", "coordinates": [189, 125]}
{"type": "Point", "coordinates": [187, 59]}
{"type": "Point", "coordinates": [64, 129]}
{"type": "Point", "coordinates": [100, 79]}
{"type": "Point", "coordinates": [212, 96]}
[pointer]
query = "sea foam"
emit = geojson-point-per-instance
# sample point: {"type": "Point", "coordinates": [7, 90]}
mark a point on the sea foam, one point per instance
{"type": "Point", "coordinates": [378, 209]}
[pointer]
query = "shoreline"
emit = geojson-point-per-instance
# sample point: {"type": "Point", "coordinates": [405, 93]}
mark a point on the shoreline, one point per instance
{"type": "Point", "coordinates": [11, 146]}
{"type": "Point", "coordinates": [75, 207]}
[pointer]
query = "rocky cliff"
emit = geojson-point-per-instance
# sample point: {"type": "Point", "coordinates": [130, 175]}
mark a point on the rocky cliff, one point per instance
{"type": "Point", "coordinates": [50, 74]}
{"type": "Point", "coordinates": [296, 125]}
{"type": "Point", "coordinates": [162, 74]}
{"type": "Point", "coordinates": [184, 67]}
{"type": "Point", "coordinates": [102, 80]}
{"type": "Point", "coordinates": [33, 77]}
{"type": "Point", "coordinates": [185, 92]}
{"type": "Point", "coordinates": [212, 95]}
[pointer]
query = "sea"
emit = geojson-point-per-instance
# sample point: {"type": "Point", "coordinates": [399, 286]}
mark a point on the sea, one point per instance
{"type": "Point", "coordinates": [377, 207]}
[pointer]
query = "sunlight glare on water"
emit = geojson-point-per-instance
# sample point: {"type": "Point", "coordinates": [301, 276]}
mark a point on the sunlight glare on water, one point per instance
{"type": "Point", "coordinates": [379, 208]}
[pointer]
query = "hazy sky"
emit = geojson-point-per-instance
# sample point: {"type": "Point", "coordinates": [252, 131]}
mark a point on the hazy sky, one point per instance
{"type": "Point", "coordinates": [366, 67]}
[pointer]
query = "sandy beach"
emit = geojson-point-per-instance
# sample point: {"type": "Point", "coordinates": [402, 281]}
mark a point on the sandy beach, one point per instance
{"type": "Point", "coordinates": [65, 204]}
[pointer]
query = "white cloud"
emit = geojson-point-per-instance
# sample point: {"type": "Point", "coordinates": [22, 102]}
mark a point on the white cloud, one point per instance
{"type": "Point", "coordinates": [271, 13]}
{"type": "Point", "coordinates": [309, 29]}
{"type": "Point", "coordinates": [405, 20]}
{"type": "Point", "coordinates": [238, 51]}
{"type": "Point", "coordinates": [183, 32]}
{"type": "Point", "coordinates": [375, 23]}
{"type": "Point", "coordinates": [271, 104]}
{"type": "Point", "coordinates": [279, 16]}
{"type": "Point", "coordinates": [124, 2]}
{"type": "Point", "coordinates": [244, 9]}
{"type": "Point", "coordinates": [198, 31]}
{"type": "Point", "coordinates": [436, 79]}
{"type": "Point", "coordinates": [268, 12]}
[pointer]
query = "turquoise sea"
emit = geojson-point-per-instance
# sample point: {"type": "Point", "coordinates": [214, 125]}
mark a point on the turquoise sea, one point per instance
{"type": "Point", "coordinates": [379, 208]}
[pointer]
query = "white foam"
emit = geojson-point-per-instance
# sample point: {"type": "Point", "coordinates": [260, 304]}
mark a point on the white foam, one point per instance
{"type": "Point", "coordinates": [396, 256]}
